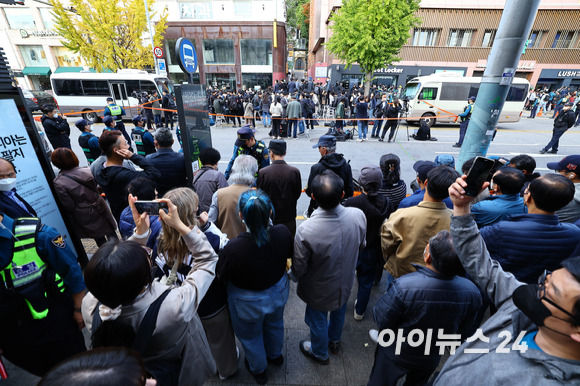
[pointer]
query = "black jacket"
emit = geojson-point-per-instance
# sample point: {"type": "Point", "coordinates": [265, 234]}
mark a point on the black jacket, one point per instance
{"type": "Point", "coordinates": [393, 111]}
{"type": "Point", "coordinates": [376, 210]}
{"type": "Point", "coordinates": [57, 130]}
{"type": "Point", "coordinates": [114, 180]}
{"type": "Point", "coordinates": [283, 185]}
{"type": "Point", "coordinates": [337, 164]}
{"type": "Point", "coordinates": [564, 120]}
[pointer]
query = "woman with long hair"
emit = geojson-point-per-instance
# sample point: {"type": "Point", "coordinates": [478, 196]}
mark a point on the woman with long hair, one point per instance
{"type": "Point", "coordinates": [276, 111]}
{"type": "Point", "coordinates": [392, 186]}
{"type": "Point", "coordinates": [78, 194]}
{"type": "Point", "coordinates": [254, 267]}
{"type": "Point", "coordinates": [122, 292]}
{"type": "Point", "coordinates": [175, 261]}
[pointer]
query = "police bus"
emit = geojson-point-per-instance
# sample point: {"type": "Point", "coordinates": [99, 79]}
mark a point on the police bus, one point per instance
{"type": "Point", "coordinates": [433, 97]}
{"type": "Point", "coordinates": [80, 93]}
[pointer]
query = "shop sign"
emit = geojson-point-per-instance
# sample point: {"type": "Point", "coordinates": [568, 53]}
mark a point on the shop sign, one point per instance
{"type": "Point", "coordinates": [38, 33]}
{"type": "Point", "coordinates": [389, 71]}
{"type": "Point", "coordinates": [568, 74]}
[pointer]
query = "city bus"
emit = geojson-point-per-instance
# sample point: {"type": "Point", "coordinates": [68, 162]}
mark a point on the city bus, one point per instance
{"type": "Point", "coordinates": [79, 93]}
{"type": "Point", "coordinates": [429, 97]}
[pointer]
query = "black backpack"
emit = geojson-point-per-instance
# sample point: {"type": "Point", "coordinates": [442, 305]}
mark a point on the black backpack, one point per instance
{"type": "Point", "coordinates": [165, 372]}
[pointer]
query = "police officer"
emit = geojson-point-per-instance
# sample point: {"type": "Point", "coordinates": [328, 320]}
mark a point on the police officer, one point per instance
{"type": "Point", "coordinates": [88, 141]}
{"type": "Point", "coordinates": [465, 116]}
{"type": "Point", "coordinates": [110, 124]}
{"type": "Point", "coordinates": [247, 144]}
{"type": "Point", "coordinates": [143, 139]}
{"type": "Point", "coordinates": [116, 112]}
{"type": "Point", "coordinates": [41, 292]}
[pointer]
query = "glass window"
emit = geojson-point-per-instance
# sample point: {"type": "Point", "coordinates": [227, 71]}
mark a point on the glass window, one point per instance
{"type": "Point", "coordinates": [425, 37]}
{"type": "Point", "coordinates": [66, 87]}
{"type": "Point", "coordinates": [256, 51]}
{"type": "Point", "coordinates": [488, 38]}
{"type": "Point", "coordinates": [132, 86]}
{"type": "Point", "coordinates": [33, 56]}
{"type": "Point", "coordinates": [66, 58]}
{"type": "Point", "coordinates": [428, 93]}
{"type": "Point", "coordinates": [20, 18]}
{"type": "Point", "coordinates": [252, 80]}
{"type": "Point", "coordinates": [410, 91]}
{"type": "Point", "coordinates": [96, 87]}
{"type": "Point", "coordinates": [196, 10]}
{"type": "Point", "coordinates": [565, 39]}
{"type": "Point", "coordinates": [459, 37]}
{"type": "Point", "coordinates": [535, 39]}
{"type": "Point", "coordinates": [349, 81]}
{"type": "Point", "coordinates": [517, 93]}
{"type": "Point", "coordinates": [299, 64]}
{"type": "Point", "coordinates": [170, 50]}
{"type": "Point", "coordinates": [165, 85]}
{"type": "Point", "coordinates": [384, 80]}
{"type": "Point", "coordinates": [148, 86]}
{"type": "Point", "coordinates": [243, 8]}
{"type": "Point", "coordinates": [473, 89]}
{"type": "Point", "coordinates": [222, 80]}
{"type": "Point", "coordinates": [455, 91]}
{"type": "Point", "coordinates": [218, 51]}
{"type": "Point", "coordinates": [47, 18]}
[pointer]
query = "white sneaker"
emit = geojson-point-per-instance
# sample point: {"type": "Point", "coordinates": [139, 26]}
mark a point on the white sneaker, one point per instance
{"type": "Point", "coordinates": [359, 140]}
{"type": "Point", "coordinates": [356, 316]}
{"type": "Point", "coordinates": [374, 335]}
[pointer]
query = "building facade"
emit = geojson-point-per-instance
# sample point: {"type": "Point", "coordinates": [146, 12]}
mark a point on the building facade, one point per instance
{"type": "Point", "coordinates": [239, 44]}
{"type": "Point", "coordinates": [456, 36]}
{"type": "Point", "coordinates": [32, 47]}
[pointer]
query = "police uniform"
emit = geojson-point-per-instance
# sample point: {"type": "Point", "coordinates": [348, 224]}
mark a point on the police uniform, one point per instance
{"type": "Point", "coordinates": [465, 116]}
{"type": "Point", "coordinates": [143, 138]}
{"type": "Point", "coordinates": [90, 145]}
{"type": "Point", "coordinates": [259, 151]}
{"type": "Point", "coordinates": [38, 272]}
{"type": "Point", "coordinates": [116, 112]}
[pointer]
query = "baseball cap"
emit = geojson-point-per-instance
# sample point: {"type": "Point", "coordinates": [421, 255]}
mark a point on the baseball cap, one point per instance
{"type": "Point", "coordinates": [108, 119]}
{"type": "Point", "coordinates": [325, 141]}
{"type": "Point", "coordinates": [370, 174]}
{"type": "Point", "coordinates": [109, 99]}
{"type": "Point", "coordinates": [277, 145]}
{"type": "Point", "coordinates": [423, 167]}
{"type": "Point", "coordinates": [244, 133]}
{"type": "Point", "coordinates": [82, 123]}
{"type": "Point", "coordinates": [445, 159]}
{"type": "Point", "coordinates": [570, 163]}
{"type": "Point", "coordinates": [136, 119]}
{"type": "Point", "coordinates": [472, 98]}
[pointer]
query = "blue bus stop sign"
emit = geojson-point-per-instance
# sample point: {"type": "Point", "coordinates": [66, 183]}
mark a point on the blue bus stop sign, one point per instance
{"type": "Point", "coordinates": [187, 57]}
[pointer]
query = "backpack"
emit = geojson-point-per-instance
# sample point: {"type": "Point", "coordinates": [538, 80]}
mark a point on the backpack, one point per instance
{"type": "Point", "coordinates": [546, 98]}
{"type": "Point", "coordinates": [165, 372]}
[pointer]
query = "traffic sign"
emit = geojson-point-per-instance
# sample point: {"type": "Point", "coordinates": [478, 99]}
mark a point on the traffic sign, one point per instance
{"type": "Point", "coordinates": [162, 67]}
{"type": "Point", "coordinates": [158, 52]}
{"type": "Point", "coordinates": [187, 57]}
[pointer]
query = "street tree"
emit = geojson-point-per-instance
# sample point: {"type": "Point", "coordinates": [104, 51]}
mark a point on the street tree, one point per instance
{"type": "Point", "coordinates": [298, 16]}
{"type": "Point", "coordinates": [371, 33]}
{"type": "Point", "coordinates": [108, 35]}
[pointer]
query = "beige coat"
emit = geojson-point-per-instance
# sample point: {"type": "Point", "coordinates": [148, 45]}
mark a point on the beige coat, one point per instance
{"type": "Point", "coordinates": [406, 233]}
{"type": "Point", "coordinates": [179, 332]}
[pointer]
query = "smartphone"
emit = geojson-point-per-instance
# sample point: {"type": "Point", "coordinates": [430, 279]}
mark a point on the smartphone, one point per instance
{"type": "Point", "coordinates": [151, 207]}
{"type": "Point", "coordinates": [477, 175]}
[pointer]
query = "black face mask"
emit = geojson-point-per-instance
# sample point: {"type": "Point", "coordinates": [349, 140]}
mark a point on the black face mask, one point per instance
{"type": "Point", "coordinates": [526, 299]}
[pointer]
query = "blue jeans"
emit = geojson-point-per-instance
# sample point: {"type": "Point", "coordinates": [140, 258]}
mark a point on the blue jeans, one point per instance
{"type": "Point", "coordinates": [363, 127]}
{"type": "Point", "coordinates": [323, 330]}
{"type": "Point", "coordinates": [377, 127]}
{"type": "Point", "coordinates": [555, 141]}
{"type": "Point", "coordinates": [258, 320]}
{"type": "Point", "coordinates": [266, 118]}
{"type": "Point", "coordinates": [365, 273]}
{"type": "Point", "coordinates": [157, 119]}
{"type": "Point", "coordinates": [292, 123]}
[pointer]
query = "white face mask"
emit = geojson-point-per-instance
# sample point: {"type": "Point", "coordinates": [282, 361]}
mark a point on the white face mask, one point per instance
{"type": "Point", "coordinates": [7, 184]}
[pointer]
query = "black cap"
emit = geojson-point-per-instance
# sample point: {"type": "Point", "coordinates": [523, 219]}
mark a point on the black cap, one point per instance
{"type": "Point", "coordinates": [278, 146]}
{"type": "Point", "coordinates": [326, 141]}
{"type": "Point", "coordinates": [423, 167]}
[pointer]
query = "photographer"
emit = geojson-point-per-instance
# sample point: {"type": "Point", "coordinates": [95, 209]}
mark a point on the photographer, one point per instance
{"type": "Point", "coordinates": [392, 115]}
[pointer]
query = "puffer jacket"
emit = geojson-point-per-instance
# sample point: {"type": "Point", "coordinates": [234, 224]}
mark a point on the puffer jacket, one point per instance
{"type": "Point", "coordinates": [126, 226]}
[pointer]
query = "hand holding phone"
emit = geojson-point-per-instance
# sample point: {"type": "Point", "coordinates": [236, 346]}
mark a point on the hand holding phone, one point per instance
{"type": "Point", "coordinates": [151, 207]}
{"type": "Point", "coordinates": [477, 175]}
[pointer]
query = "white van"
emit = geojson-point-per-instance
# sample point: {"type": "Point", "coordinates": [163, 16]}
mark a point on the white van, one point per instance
{"type": "Point", "coordinates": [83, 92]}
{"type": "Point", "coordinates": [434, 97]}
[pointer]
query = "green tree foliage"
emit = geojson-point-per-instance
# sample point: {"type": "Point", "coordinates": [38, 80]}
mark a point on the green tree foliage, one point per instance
{"type": "Point", "coordinates": [108, 35]}
{"type": "Point", "coordinates": [371, 32]}
{"type": "Point", "coordinates": [298, 12]}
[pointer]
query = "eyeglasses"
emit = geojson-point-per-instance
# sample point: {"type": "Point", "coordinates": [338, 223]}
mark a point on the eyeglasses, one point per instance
{"type": "Point", "coordinates": [542, 295]}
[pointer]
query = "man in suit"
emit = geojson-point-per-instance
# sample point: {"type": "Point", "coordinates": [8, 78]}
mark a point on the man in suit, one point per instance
{"type": "Point", "coordinates": [283, 185]}
{"type": "Point", "coordinates": [11, 204]}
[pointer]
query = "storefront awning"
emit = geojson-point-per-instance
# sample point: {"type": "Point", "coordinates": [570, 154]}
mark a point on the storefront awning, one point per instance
{"type": "Point", "coordinates": [36, 71]}
{"type": "Point", "coordinates": [68, 69]}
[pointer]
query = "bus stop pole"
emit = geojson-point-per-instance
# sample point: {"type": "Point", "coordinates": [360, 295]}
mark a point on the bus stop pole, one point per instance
{"type": "Point", "coordinates": [513, 31]}
{"type": "Point", "coordinates": [151, 35]}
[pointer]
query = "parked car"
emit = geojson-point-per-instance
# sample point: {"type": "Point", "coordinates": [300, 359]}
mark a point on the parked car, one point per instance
{"type": "Point", "coordinates": [37, 99]}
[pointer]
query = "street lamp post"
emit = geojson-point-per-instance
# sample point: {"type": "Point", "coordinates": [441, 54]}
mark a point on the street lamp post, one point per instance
{"type": "Point", "coordinates": [151, 35]}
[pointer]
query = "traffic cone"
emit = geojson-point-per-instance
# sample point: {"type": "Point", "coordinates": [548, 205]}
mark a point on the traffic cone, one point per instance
{"type": "Point", "coordinates": [539, 113]}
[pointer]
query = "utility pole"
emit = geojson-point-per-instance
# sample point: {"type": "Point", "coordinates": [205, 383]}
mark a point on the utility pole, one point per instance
{"type": "Point", "coordinates": [151, 35]}
{"type": "Point", "coordinates": [513, 31]}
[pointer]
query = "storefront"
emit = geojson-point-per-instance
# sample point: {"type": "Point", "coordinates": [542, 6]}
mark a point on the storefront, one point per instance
{"type": "Point", "coordinates": [553, 79]}
{"type": "Point", "coordinates": [388, 76]}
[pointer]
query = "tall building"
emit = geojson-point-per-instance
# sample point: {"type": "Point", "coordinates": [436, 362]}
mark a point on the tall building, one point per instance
{"type": "Point", "coordinates": [32, 47]}
{"type": "Point", "coordinates": [239, 43]}
{"type": "Point", "coordinates": [456, 36]}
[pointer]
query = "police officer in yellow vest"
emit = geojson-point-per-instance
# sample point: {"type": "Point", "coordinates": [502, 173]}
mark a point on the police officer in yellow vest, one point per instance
{"type": "Point", "coordinates": [41, 292]}
{"type": "Point", "coordinates": [247, 144]}
{"type": "Point", "coordinates": [465, 116]}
